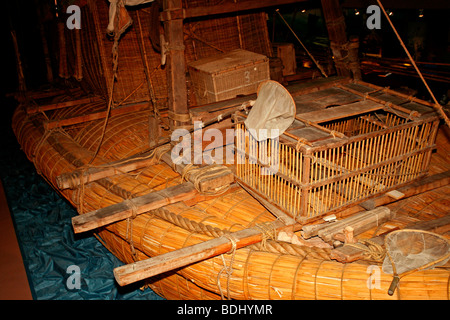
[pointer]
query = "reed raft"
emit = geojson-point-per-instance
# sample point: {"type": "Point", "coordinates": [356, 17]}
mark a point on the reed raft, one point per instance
{"type": "Point", "coordinates": [269, 270]}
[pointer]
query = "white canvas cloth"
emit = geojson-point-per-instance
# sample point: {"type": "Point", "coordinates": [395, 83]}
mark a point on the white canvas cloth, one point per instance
{"type": "Point", "coordinates": [274, 111]}
{"type": "Point", "coordinates": [113, 8]}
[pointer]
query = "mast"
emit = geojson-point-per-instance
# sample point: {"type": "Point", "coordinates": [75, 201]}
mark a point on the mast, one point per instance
{"type": "Point", "coordinates": [176, 64]}
{"type": "Point", "coordinates": [335, 22]}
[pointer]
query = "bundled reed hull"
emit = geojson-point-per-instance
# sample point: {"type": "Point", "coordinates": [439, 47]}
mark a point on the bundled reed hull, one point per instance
{"type": "Point", "coordinates": [250, 273]}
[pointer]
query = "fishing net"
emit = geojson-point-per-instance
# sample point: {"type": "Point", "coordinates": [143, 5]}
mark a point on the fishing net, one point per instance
{"type": "Point", "coordinates": [273, 112]}
{"type": "Point", "coordinates": [413, 250]}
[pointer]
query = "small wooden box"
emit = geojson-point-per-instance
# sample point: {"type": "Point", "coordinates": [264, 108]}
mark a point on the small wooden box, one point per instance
{"type": "Point", "coordinates": [286, 52]}
{"type": "Point", "coordinates": [227, 75]}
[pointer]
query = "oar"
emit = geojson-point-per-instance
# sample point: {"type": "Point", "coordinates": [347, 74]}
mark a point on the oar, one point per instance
{"type": "Point", "coordinates": [144, 269]}
{"type": "Point", "coordinates": [133, 207]}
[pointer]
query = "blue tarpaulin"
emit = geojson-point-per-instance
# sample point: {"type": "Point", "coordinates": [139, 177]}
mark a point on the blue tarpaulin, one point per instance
{"type": "Point", "coordinates": [52, 253]}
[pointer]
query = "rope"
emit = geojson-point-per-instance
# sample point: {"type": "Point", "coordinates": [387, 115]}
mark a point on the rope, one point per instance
{"type": "Point", "coordinates": [267, 233]}
{"type": "Point", "coordinates": [282, 247]}
{"type": "Point", "coordinates": [197, 175]}
{"type": "Point", "coordinates": [309, 54]}
{"type": "Point", "coordinates": [373, 250]}
{"type": "Point", "coordinates": [41, 142]}
{"type": "Point", "coordinates": [180, 117]}
{"type": "Point", "coordinates": [105, 123]}
{"type": "Point", "coordinates": [129, 236]}
{"type": "Point", "coordinates": [228, 269]}
{"type": "Point", "coordinates": [115, 53]}
{"type": "Point", "coordinates": [270, 245]}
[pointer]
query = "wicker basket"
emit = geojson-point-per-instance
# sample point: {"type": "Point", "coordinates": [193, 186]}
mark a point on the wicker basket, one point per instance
{"type": "Point", "coordinates": [227, 75]}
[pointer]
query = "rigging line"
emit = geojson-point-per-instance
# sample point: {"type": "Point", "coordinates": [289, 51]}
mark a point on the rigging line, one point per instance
{"type": "Point", "coordinates": [309, 54]}
{"type": "Point", "coordinates": [437, 106]}
{"type": "Point", "coordinates": [105, 123]}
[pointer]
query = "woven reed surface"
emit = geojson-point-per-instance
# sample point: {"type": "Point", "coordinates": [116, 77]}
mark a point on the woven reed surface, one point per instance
{"type": "Point", "coordinates": [255, 274]}
{"type": "Point", "coordinates": [203, 38]}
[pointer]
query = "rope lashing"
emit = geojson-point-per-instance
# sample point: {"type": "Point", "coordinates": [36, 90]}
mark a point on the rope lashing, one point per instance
{"type": "Point", "coordinates": [372, 250]}
{"type": "Point", "coordinates": [199, 174]}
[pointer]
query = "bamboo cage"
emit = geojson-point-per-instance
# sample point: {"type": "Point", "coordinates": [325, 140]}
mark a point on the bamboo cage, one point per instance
{"type": "Point", "coordinates": [338, 156]}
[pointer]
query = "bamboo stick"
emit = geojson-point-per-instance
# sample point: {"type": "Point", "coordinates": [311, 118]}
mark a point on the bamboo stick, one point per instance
{"type": "Point", "coordinates": [412, 113]}
{"type": "Point", "coordinates": [182, 257]}
{"type": "Point", "coordinates": [347, 254]}
{"type": "Point", "coordinates": [60, 105]}
{"type": "Point", "coordinates": [436, 104]}
{"type": "Point", "coordinates": [136, 206]}
{"type": "Point", "coordinates": [301, 43]}
{"type": "Point", "coordinates": [51, 124]}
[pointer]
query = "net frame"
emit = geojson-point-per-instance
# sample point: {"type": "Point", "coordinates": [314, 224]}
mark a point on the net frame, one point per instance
{"type": "Point", "coordinates": [390, 255]}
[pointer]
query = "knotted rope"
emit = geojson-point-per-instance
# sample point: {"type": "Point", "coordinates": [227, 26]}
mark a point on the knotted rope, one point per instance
{"type": "Point", "coordinates": [372, 250]}
{"type": "Point", "coordinates": [197, 175]}
{"type": "Point", "coordinates": [227, 269]}
{"type": "Point", "coordinates": [129, 235]}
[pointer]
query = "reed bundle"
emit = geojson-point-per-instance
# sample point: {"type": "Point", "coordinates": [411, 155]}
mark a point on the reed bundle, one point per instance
{"type": "Point", "coordinates": [247, 273]}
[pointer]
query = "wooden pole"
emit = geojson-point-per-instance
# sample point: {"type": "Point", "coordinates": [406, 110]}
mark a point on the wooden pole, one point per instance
{"type": "Point", "coordinates": [336, 32]}
{"type": "Point", "coordinates": [48, 63]}
{"type": "Point", "coordinates": [20, 74]}
{"type": "Point", "coordinates": [301, 43]}
{"type": "Point", "coordinates": [144, 269]}
{"type": "Point", "coordinates": [436, 105]}
{"type": "Point", "coordinates": [60, 105]}
{"type": "Point", "coordinates": [353, 51]}
{"type": "Point", "coordinates": [136, 206]}
{"type": "Point", "coordinates": [350, 253]}
{"type": "Point", "coordinates": [176, 65]}
{"type": "Point", "coordinates": [135, 107]}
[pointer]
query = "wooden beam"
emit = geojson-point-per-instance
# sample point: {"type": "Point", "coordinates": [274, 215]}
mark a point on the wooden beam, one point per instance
{"type": "Point", "coordinates": [143, 269]}
{"type": "Point", "coordinates": [398, 4]}
{"type": "Point", "coordinates": [335, 22]}
{"type": "Point", "coordinates": [176, 64]}
{"type": "Point", "coordinates": [343, 111]}
{"type": "Point", "coordinates": [48, 125]}
{"type": "Point", "coordinates": [61, 105]}
{"type": "Point", "coordinates": [419, 186]}
{"type": "Point", "coordinates": [207, 184]}
{"type": "Point", "coordinates": [360, 223]}
{"type": "Point", "coordinates": [71, 180]}
{"type": "Point", "coordinates": [227, 7]}
{"type": "Point", "coordinates": [347, 254]}
{"type": "Point", "coordinates": [411, 113]}
{"type": "Point", "coordinates": [136, 206]}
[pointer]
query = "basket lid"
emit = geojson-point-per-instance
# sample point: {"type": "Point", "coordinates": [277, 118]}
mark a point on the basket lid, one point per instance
{"type": "Point", "coordinates": [227, 61]}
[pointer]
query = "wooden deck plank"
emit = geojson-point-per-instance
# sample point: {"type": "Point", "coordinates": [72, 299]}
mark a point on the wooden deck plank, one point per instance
{"type": "Point", "coordinates": [342, 111]}
{"type": "Point", "coordinates": [51, 124]}
{"type": "Point", "coordinates": [136, 206]}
